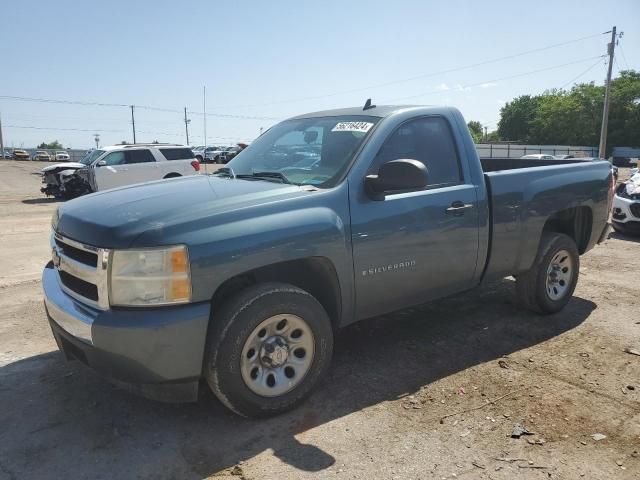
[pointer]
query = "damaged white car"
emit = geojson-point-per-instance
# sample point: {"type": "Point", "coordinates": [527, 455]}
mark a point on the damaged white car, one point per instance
{"type": "Point", "coordinates": [60, 180]}
{"type": "Point", "coordinates": [117, 166]}
{"type": "Point", "coordinates": [626, 206]}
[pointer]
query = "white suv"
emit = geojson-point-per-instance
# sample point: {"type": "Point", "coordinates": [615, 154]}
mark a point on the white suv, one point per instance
{"type": "Point", "coordinates": [117, 166]}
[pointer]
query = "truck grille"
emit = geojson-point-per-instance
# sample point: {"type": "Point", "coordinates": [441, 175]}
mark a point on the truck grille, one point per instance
{"type": "Point", "coordinates": [82, 270]}
{"type": "Point", "coordinates": [635, 209]}
{"type": "Point", "coordinates": [85, 289]}
{"type": "Point", "coordinates": [82, 256]}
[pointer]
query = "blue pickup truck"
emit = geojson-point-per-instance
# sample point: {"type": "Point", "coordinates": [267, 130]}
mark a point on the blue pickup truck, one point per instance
{"type": "Point", "coordinates": [238, 280]}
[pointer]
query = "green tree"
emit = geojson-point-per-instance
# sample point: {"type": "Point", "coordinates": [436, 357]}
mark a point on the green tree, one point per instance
{"type": "Point", "coordinates": [475, 129]}
{"type": "Point", "coordinates": [516, 117]}
{"type": "Point", "coordinates": [493, 137]}
{"type": "Point", "coordinates": [624, 112]}
{"type": "Point", "coordinates": [574, 117]}
{"type": "Point", "coordinates": [55, 145]}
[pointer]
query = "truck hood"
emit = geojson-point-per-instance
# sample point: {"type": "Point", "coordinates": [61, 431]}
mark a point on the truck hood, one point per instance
{"type": "Point", "coordinates": [115, 218]}
{"type": "Point", "coordinates": [66, 166]}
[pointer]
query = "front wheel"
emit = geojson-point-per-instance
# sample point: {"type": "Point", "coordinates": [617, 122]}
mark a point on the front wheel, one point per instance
{"type": "Point", "coordinates": [267, 348]}
{"type": "Point", "coordinates": [550, 282]}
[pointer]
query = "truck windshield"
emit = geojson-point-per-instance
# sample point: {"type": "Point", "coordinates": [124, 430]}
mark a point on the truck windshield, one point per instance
{"type": "Point", "coordinates": [307, 151]}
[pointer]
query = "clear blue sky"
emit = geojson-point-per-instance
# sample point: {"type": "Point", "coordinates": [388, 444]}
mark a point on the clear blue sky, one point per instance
{"type": "Point", "coordinates": [259, 58]}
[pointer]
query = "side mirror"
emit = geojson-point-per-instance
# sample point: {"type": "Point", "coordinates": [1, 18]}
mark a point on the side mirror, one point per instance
{"type": "Point", "coordinates": [397, 175]}
{"type": "Point", "coordinates": [101, 163]}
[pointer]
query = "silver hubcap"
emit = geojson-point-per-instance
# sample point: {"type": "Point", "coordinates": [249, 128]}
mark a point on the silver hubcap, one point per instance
{"type": "Point", "coordinates": [277, 355]}
{"type": "Point", "coordinates": [559, 275]}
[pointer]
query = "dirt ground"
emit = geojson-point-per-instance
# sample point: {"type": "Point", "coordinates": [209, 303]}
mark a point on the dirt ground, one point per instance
{"type": "Point", "coordinates": [431, 392]}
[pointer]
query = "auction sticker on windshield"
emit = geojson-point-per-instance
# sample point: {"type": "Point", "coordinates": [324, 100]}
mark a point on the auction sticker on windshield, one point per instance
{"type": "Point", "coordinates": [363, 127]}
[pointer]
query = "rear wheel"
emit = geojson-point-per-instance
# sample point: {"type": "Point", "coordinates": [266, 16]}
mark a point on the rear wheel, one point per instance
{"type": "Point", "coordinates": [267, 348]}
{"type": "Point", "coordinates": [172, 175]}
{"type": "Point", "coordinates": [548, 286]}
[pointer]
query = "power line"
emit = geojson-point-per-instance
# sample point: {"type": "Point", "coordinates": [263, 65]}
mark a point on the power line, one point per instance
{"type": "Point", "coordinates": [580, 75]}
{"type": "Point", "coordinates": [61, 129]}
{"type": "Point", "coordinates": [66, 102]}
{"type": "Point", "coordinates": [94, 130]}
{"type": "Point", "coordinates": [499, 79]}
{"type": "Point", "coordinates": [623, 56]}
{"type": "Point", "coordinates": [143, 107]}
{"type": "Point", "coordinates": [251, 117]}
{"type": "Point", "coordinates": [416, 77]}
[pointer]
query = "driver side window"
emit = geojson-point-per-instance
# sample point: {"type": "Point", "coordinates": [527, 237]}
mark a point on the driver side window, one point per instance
{"type": "Point", "coordinates": [428, 140]}
{"type": "Point", "coordinates": [115, 158]}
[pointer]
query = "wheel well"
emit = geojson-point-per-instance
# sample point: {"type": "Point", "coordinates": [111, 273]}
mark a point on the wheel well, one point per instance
{"type": "Point", "coordinates": [575, 222]}
{"type": "Point", "coordinates": [315, 275]}
{"type": "Point", "coordinates": [172, 175]}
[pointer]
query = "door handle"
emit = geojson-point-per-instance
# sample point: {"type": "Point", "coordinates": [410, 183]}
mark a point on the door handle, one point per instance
{"type": "Point", "coordinates": [458, 208]}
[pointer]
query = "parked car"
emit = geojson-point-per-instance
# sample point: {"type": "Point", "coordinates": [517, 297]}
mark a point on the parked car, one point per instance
{"type": "Point", "coordinates": [20, 155]}
{"type": "Point", "coordinates": [6, 154]}
{"type": "Point", "coordinates": [231, 152]}
{"type": "Point", "coordinates": [198, 152]}
{"type": "Point", "coordinates": [214, 154]}
{"type": "Point", "coordinates": [538, 156]}
{"type": "Point", "coordinates": [626, 206]}
{"type": "Point", "coordinates": [240, 278]}
{"type": "Point", "coordinates": [117, 166]}
{"type": "Point", "coordinates": [563, 157]}
{"type": "Point", "coordinates": [625, 156]}
{"type": "Point", "coordinates": [41, 155]}
{"type": "Point", "coordinates": [62, 156]}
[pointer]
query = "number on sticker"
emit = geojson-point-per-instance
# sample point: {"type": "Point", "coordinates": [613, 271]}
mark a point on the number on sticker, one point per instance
{"type": "Point", "coordinates": [352, 127]}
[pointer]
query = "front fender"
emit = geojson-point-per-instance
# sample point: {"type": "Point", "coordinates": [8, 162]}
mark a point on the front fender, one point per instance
{"type": "Point", "coordinates": [229, 242]}
{"type": "Point", "coordinates": [252, 243]}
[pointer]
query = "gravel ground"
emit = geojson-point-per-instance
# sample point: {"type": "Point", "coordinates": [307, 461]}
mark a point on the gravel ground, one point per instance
{"type": "Point", "coordinates": [430, 392]}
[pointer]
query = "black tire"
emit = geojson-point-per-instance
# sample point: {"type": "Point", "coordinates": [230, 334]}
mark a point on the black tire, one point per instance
{"type": "Point", "coordinates": [172, 175]}
{"type": "Point", "coordinates": [229, 330]}
{"type": "Point", "coordinates": [531, 286]}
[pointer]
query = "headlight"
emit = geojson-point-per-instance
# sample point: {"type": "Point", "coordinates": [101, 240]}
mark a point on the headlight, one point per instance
{"type": "Point", "coordinates": [155, 276]}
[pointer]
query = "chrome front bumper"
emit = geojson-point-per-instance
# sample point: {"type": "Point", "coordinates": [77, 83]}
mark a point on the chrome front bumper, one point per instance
{"type": "Point", "coordinates": [154, 352]}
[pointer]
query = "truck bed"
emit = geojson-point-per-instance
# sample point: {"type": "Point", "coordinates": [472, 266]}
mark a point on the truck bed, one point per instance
{"type": "Point", "coordinates": [524, 194]}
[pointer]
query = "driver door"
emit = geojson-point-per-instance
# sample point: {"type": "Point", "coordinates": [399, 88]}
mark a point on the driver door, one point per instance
{"type": "Point", "coordinates": [414, 246]}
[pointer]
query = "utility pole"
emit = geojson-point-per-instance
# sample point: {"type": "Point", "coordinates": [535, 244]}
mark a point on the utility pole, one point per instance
{"type": "Point", "coordinates": [1, 140]}
{"type": "Point", "coordinates": [133, 124]}
{"type": "Point", "coordinates": [186, 124]}
{"type": "Point", "coordinates": [605, 110]}
{"type": "Point", "coordinates": [485, 134]}
{"type": "Point", "coordinates": [96, 137]}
